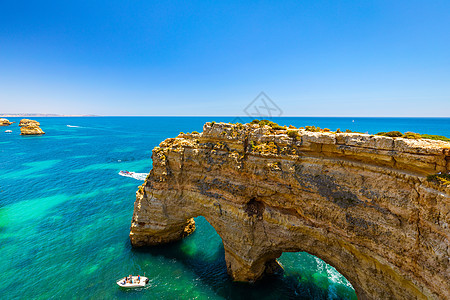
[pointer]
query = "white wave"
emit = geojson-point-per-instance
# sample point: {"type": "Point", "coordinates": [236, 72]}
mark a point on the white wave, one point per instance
{"type": "Point", "coordinates": [137, 176]}
{"type": "Point", "coordinates": [73, 126]}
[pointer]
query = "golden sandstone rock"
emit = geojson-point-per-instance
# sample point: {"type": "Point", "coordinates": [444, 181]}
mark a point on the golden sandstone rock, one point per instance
{"type": "Point", "coordinates": [30, 127]}
{"type": "Point", "coordinates": [29, 130]}
{"type": "Point", "coordinates": [360, 202]}
{"type": "Point", "coordinates": [5, 122]}
{"type": "Point", "coordinates": [29, 123]}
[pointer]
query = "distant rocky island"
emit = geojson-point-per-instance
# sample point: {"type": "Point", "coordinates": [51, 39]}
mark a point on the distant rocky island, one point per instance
{"type": "Point", "coordinates": [27, 126]}
{"type": "Point", "coordinates": [376, 207]}
{"type": "Point", "coordinates": [30, 127]}
{"type": "Point", "coordinates": [5, 122]}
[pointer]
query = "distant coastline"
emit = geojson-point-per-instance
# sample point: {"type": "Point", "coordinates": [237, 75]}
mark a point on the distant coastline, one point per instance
{"type": "Point", "coordinates": [41, 115]}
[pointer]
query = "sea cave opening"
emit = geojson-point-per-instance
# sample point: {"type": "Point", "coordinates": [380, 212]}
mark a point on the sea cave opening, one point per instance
{"type": "Point", "coordinates": [305, 276]}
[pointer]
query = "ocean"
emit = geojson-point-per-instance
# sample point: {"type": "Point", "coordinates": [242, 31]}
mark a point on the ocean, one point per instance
{"type": "Point", "coordinates": [65, 215]}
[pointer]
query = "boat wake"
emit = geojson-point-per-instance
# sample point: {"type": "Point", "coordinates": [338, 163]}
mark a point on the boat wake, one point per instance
{"type": "Point", "coordinates": [137, 176]}
{"type": "Point", "coordinates": [73, 126]}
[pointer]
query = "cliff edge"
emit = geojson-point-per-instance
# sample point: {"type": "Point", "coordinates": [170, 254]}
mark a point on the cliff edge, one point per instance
{"type": "Point", "coordinates": [360, 202]}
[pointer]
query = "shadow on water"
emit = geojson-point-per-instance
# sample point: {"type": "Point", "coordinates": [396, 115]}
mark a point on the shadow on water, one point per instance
{"type": "Point", "coordinates": [213, 273]}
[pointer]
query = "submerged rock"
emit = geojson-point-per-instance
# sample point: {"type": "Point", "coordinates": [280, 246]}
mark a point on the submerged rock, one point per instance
{"type": "Point", "coordinates": [5, 122]}
{"type": "Point", "coordinates": [360, 202]}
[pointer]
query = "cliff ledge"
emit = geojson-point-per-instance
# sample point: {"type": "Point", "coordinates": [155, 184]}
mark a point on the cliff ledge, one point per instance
{"type": "Point", "coordinates": [360, 202]}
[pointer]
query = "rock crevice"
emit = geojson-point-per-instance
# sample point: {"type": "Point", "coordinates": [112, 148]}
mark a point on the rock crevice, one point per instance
{"type": "Point", "coordinates": [361, 203]}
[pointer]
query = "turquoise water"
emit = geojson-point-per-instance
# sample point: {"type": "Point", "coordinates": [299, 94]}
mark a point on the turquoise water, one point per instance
{"type": "Point", "coordinates": [65, 215]}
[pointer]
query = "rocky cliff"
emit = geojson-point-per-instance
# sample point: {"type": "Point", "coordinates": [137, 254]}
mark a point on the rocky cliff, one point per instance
{"type": "Point", "coordinates": [362, 203]}
{"type": "Point", "coordinates": [30, 127]}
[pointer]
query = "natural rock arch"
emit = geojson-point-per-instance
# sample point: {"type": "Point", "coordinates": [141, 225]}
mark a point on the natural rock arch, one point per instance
{"type": "Point", "coordinates": [359, 202]}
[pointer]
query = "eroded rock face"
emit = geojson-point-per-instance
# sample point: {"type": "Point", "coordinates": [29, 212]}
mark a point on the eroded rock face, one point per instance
{"type": "Point", "coordinates": [29, 123]}
{"type": "Point", "coordinates": [359, 202]}
{"type": "Point", "coordinates": [29, 130]}
{"type": "Point", "coordinates": [5, 122]}
{"type": "Point", "coordinates": [30, 127]}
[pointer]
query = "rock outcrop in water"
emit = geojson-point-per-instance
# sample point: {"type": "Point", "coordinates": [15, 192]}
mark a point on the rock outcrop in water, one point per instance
{"type": "Point", "coordinates": [362, 203]}
{"type": "Point", "coordinates": [30, 127]}
{"type": "Point", "coordinates": [5, 122]}
{"type": "Point", "coordinates": [29, 123]}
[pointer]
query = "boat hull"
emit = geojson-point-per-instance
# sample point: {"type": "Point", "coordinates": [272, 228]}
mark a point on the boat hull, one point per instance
{"type": "Point", "coordinates": [142, 283]}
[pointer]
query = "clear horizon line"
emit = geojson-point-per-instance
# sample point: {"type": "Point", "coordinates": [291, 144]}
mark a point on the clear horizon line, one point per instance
{"type": "Point", "coordinates": [226, 116]}
{"type": "Point", "coordinates": [262, 117]}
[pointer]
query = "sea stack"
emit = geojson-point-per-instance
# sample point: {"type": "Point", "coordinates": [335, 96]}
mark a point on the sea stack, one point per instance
{"type": "Point", "coordinates": [5, 122]}
{"type": "Point", "coordinates": [29, 123]}
{"type": "Point", "coordinates": [30, 127]}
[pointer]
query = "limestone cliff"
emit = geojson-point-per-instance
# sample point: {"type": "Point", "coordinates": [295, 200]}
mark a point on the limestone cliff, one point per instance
{"type": "Point", "coordinates": [5, 122]}
{"type": "Point", "coordinates": [360, 202]}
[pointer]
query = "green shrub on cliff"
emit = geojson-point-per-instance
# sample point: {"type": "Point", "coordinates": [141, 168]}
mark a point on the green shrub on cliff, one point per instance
{"type": "Point", "coordinates": [262, 123]}
{"type": "Point", "coordinates": [276, 126]}
{"type": "Point", "coordinates": [435, 137]}
{"type": "Point", "coordinates": [394, 134]}
{"type": "Point", "coordinates": [264, 148]}
{"type": "Point", "coordinates": [292, 134]}
{"type": "Point", "coordinates": [195, 132]}
{"type": "Point", "coordinates": [442, 179]}
{"type": "Point", "coordinates": [239, 126]}
{"type": "Point", "coordinates": [351, 131]}
{"type": "Point", "coordinates": [391, 134]}
{"type": "Point", "coordinates": [411, 135]}
{"type": "Point", "coordinates": [407, 135]}
{"type": "Point", "coordinates": [312, 128]}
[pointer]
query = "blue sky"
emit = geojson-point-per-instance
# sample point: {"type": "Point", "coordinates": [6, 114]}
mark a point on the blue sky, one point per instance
{"type": "Point", "coordinates": [313, 58]}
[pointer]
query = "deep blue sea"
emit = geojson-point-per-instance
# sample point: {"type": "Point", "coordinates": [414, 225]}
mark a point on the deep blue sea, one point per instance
{"type": "Point", "coordinates": [65, 215]}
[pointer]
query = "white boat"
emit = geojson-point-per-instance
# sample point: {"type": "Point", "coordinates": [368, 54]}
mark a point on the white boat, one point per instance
{"type": "Point", "coordinates": [126, 174]}
{"type": "Point", "coordinates": [8, 131]}
{"type": "Point", "coordinates": [135, 282]}
{"type": "Point", "coordinates": [137, 176]}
